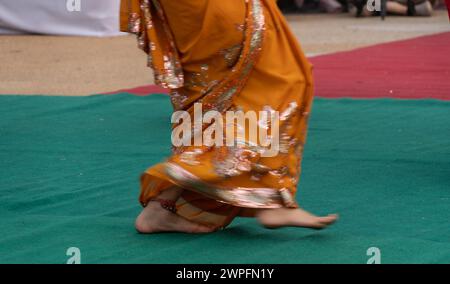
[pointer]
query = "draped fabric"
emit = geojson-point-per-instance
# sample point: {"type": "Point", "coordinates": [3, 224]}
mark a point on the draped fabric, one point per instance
{"type": "Point", "coordinates": [232, 55]}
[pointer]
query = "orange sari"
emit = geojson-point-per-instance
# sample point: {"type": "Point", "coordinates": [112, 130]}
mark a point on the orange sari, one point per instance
{"type": "Point", "coordinates": [227, 55]}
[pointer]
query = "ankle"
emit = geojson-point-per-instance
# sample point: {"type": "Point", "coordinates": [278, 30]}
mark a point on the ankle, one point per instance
{"type": "Point", "coordinates": [166, 204]}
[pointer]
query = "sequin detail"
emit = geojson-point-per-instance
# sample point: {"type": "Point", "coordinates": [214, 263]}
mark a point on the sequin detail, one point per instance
{"type": "Point", "coordinates": [134, 23]}
{"type": "Point", "coordinates": [191, 157]}
{"type": "Point", "coordinates": [237, 196]}
{"type": "Point", "coordinates": [160, 47]}
{"type": "Point", "coordinates": [231, 55]}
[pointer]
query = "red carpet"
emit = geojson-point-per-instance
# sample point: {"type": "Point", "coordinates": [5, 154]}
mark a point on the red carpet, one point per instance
{"type": "Point", "coordinates": [410, 69]}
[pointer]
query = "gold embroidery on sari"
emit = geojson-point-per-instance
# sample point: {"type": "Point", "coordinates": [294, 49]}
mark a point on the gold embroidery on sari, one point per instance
{"type": "Point", "coordinates": [231, 55]}
{"type": "Point", "coordinates": [237, 196]}
{"type": "Point", "coordinates": [233, 161]}
{"type": "Point", "coordinates": [198, 79]}
{"type": "Point", "coordinates": [178, 98]}
{"type": "Point", "coordinates": [134, 23]}
{"type": "Point", "coordinates": [191, 157]}
{"type": "Point", "coordinates": [160, 46]}
{"type": "Point", "coordinates": [220, 99]}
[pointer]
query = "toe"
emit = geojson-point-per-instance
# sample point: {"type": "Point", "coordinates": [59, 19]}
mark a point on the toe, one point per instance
{"type": "Point", "coordinates": [330, 219]}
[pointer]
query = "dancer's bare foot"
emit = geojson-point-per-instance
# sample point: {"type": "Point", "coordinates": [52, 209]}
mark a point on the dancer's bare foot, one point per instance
{"type": "Point", "coordinates": [155, 219]}
{"type": "Point", "coordinates": [286, 217]}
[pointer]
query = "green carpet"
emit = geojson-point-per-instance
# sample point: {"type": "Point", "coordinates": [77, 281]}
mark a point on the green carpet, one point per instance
{"type": "Point", "coordinates": [69, 169]}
